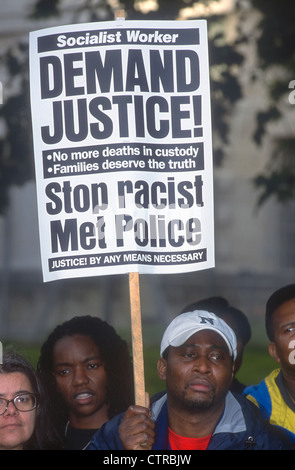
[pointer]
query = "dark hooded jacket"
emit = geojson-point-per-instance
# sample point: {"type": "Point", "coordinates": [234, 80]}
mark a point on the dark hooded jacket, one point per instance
{"type": "Point", "coordinates": [240, 427]}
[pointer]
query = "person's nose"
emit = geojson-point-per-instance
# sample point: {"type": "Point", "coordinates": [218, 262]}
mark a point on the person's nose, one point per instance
{"type": "Point", "coordinates": [11, 409]}
{"type": "Point", "coordinates": [80, 376]}
{"type": "Point", "coordinates": [201, 364]}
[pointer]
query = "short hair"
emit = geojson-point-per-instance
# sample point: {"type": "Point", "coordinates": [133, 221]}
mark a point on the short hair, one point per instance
{"type": "Point", "coordinates": [114, 353]}
{"type": "Point", "coordinates": [279, 297]}
{"type": "Point", "coordinates": [221, 307]}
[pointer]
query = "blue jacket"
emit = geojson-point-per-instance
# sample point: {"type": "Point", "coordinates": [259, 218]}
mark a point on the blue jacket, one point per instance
{"type": "Point", "coordinates": [272, 399]}
{"type": "Point", "coordinates": [240, 427]}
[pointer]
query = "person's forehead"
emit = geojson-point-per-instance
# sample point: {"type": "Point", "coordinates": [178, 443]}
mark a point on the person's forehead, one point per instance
{"type": "Point", "coordinates": [74, 347]}
{"type": "Point", "coordinates": [14, 382]}
{"type": "Point", "coordinates": [206, 337]}
{"type": "Point", "coordinates": [284, 310]}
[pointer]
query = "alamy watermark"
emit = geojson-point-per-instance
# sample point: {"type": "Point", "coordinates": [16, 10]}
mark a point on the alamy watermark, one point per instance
{"type": "Point", "coordinates": [1, 353]}
{"type": "Point", "coordinates": [1, 92]}
{"type": "Point", "coordinates": [292, 93]}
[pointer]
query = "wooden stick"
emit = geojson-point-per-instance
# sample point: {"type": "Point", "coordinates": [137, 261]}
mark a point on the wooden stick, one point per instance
{"type": "Point", "coordinates": [136, 330]}
{"type": "Point", "coordinates": [119, 14]}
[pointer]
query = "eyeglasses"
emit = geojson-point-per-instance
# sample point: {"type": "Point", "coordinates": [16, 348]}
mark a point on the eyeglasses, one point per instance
{"type": "Point", "coordinates": [23, 402]}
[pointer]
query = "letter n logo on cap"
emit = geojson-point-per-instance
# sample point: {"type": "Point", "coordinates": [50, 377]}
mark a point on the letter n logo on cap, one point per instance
{"type": "Point", "coordinates": [207, 320]}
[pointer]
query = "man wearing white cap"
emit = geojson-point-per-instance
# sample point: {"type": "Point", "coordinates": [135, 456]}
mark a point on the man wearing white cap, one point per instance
{"type": "Point", "coordinates": [197, 412]}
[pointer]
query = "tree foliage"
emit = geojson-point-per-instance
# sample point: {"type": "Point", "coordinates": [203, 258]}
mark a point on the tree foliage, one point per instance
{"type": "Point", "coordinates": [276, 59]}
{"type": "Point", "coordinates": [16, 153]}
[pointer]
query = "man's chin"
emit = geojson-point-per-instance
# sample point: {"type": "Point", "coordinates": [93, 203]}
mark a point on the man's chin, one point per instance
{"type": "Point", "coordinates": [198, 403]}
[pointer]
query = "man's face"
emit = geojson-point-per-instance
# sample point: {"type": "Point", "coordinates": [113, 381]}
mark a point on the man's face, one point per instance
{"type": "Point", "coordinates": [81, 379]}
{"type": "Point", "coordinates": [282, 349]}
{"type": "Point", "coordinates": [198, 373]}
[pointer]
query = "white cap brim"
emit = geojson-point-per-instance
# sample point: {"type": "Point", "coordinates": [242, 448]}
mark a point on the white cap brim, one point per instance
{"type": "Point", "coordinates": [189, 323]}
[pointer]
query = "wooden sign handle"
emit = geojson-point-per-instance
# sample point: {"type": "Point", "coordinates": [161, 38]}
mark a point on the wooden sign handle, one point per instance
{"type": "Point", "coordinates": [136, 330]}
{"type": "Point", "coordinates": [137, 348]}
{"type": "Point", "coordinates": [119, 14]}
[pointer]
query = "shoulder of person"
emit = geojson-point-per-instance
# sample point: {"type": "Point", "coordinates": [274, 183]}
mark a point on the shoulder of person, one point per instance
{"type": "Point", "coordinates": [265, 435]}
{"type": "Point", "coordinates": [107, 437]}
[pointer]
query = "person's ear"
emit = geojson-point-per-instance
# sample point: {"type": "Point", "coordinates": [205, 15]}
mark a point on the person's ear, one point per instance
{"type": "Point", "coordinates": [161, 366]}
{"type": "Point", "coordinates": [273, 352]}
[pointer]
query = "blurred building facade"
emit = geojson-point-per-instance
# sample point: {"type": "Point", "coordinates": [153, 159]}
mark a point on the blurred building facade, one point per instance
{"type": "Point", "coordinates": [254, 248]}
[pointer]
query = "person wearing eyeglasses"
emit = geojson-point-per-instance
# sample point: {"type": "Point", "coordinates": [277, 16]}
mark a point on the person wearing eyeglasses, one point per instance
{"type": "Point", "coordinates": [23, 423]}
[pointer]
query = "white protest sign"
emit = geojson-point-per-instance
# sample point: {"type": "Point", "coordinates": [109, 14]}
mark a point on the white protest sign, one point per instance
{"type": "Point", "coordinates": [123, 148]}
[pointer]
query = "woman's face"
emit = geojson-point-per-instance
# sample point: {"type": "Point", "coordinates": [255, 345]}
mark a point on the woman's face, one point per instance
{"type": "Point", "coordinates": [81, 380]}
{"type": "Point", "coordinates": [16, 427]}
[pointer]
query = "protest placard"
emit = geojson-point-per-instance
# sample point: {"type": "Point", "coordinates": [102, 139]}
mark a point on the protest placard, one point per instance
{"type": "Point", "coordinates": [123, 148]}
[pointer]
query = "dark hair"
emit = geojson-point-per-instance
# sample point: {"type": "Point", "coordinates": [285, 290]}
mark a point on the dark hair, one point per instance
{"type": "Point", "coordinates": [115, 355]}
{"type": "Point", "coordinates": [221, 307]}
{"type": "Point", "coordinates": [279, 297]}
{"type": "Point", "coordinates": [43, 437]}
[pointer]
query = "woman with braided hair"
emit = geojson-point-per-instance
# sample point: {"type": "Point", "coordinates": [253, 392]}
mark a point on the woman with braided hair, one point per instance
{"type": "Point", "coordinates": [86, 369]}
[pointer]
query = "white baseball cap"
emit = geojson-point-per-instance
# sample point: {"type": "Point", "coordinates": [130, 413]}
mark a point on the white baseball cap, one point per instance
{"type": "Point", "coordinates": [189, 323]}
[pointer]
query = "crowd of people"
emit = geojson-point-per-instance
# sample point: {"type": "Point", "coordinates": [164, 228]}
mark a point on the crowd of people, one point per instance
{"type": "Point", "coordinates": [81, 397]}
